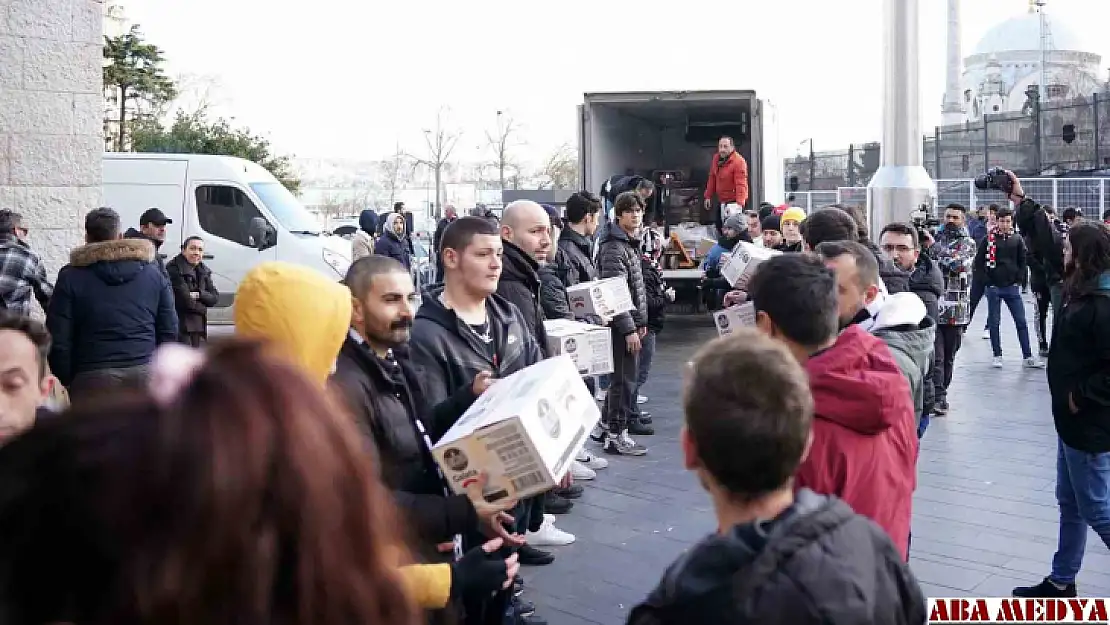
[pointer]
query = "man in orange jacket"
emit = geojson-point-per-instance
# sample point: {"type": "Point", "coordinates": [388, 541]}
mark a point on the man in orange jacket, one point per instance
{"type": "Point", "coordinates": [728, 179]}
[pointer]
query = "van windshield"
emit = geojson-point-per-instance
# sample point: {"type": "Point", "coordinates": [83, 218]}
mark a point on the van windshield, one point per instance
{"type": "Point", "coordinates": [286, 208]}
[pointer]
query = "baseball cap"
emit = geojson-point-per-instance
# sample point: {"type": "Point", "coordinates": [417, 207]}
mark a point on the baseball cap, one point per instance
{"type": "Point", "coordinates": [154, 216]}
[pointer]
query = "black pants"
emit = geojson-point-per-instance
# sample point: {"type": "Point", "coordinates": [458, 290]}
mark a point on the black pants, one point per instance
{"type": "Point", "coordinates": [193, 339]}
{"type": "Point", "coordinates": [620, 402]}
{"type": "Point", "coordinates": [978, 288]}
{"type": "Point", "coordinates": [1042, 298]}
{"type": "Point", "coordinates": [948, 341]}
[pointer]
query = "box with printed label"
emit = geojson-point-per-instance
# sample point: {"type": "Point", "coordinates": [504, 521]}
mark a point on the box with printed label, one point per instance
{"type": "Point", "coordinates": [604, 298]}
{"type": "Point", "coordinates": [524, 432]}
{"type": "Point", "coordinates": [589, 346]}
{"type": "Point", "coordinates": [743, 260]}
{"type": "Point", "coordinates": [733, 318]}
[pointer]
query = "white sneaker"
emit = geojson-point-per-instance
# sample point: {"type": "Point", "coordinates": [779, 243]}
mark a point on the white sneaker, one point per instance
{"type": "Point", "coordinates": [592, 461]}
{"type": "Point", "coordinates": [1033, 363]}
{"type": "Point", "coordinates": [581, 472]}
{"type": "Point", "coordinates": [986, 335]}
{"type": "Point", "coordinates": [640, 399]}
{"type": "Point", "coordinates": [549, 536]}
{"type": "Point", "coordinates": [997, 362]}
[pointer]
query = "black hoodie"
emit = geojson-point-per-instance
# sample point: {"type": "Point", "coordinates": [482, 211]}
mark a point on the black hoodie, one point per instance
{"type": "Point", "coordinates": [818, 563]}
{"type": "Point", "coordinates": [520, 284]}
{"type": "Point", "coordinates": [451, 354]}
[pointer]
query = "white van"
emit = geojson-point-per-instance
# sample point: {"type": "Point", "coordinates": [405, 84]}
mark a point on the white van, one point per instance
{"type": "Point", "coordinates": [242, 212]}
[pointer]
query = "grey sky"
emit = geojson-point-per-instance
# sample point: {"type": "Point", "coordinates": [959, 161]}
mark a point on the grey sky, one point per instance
{"type": "Point", "coordinates": [349, 79]}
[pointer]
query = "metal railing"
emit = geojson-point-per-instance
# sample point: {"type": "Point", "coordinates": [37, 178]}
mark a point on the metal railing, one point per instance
{"type": "Point", "coordinates": [1057, 139]}
{"type": "Point", "coordinates": [1091, 195]}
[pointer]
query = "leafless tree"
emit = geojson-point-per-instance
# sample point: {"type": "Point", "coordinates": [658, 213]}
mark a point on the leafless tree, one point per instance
{"type": "Point", "coordinates": [501, 142]}
{"type": "Point", "coordinates": [441, 142]}
{"type": "Point", "coordinates": [560, 169]}
{"type": "Point", "coordinates": [396, 173]}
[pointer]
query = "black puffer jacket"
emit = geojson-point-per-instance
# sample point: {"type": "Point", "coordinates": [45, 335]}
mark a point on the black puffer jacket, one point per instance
{"type": "Point", "coordinates": [619, 257]}
{"type": "Point", "coordinates": [1046, 244]}
{"type": "Point", "coordinates": [451, 354]}
{"type": "Point", "coordinates": [387, 399]}
{"type": "Point", "coordinates": [574, 261]}
{"type": "Point", "coordinates": [927, 282]}
{"type": "Point", "coordinates": [656, 290]}
{"type": "Point", "coordinates": [553, 295]}
{"type": "Point", "coordinates": [111, 308]}
{"type": "Point", "coordinates": [818, 563]}
{"type": "Point", "coordinates": [520, 284]}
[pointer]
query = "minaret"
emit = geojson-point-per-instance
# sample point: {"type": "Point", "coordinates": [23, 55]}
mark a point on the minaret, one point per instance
{"type": "Point", "coordinates": [952, 110]}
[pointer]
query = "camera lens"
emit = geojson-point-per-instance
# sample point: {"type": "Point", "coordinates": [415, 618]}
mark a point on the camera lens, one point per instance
{"type": "Point", "coordinates": [984, 182]}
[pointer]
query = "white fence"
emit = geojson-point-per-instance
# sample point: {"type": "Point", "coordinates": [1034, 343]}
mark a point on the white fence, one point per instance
{"type": "Point", "coordinates": [1091, 195]}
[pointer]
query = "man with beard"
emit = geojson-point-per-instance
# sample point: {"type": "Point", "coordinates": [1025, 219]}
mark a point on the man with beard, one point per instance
{"type": "Point", "coordinates": [728, 180]}
{"type": "Point", "coordinates": [900, 320]}
{"type": "Point", "coordinates": [732, 233]}
{"type": "Point", "coordinates": [152, 227]}
{"type": "Point", "coordinates": [901, 243]}
{"type": "Point", "coordinates": [463, 327]}
{"type": "Point", "coordinates": [385, 392]}
{"type": "Point", "coordinates": [526, 241]}
{"type": "Point", "coordinates": [954, 250]}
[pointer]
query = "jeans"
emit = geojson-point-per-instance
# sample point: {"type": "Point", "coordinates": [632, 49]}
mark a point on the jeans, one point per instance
{"type": "Point", "coordinates": [1083, 494]}
{"type": "Point", "coordinates": [647, 353]}
{"type": "Point", "coordinates": [620, 401]}
{"type": "Point", "coordinates": [922, 425]}
{"type": "Point", "coordinates": [948, 342]}
{"type": "Point", "coordinates": [978, 286]}
{"type": "Point", "coordinates": [1012, 296]}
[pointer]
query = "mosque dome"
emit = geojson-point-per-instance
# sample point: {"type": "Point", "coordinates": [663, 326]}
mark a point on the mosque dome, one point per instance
{"type": "Point", "coordinates": [1023, 33]}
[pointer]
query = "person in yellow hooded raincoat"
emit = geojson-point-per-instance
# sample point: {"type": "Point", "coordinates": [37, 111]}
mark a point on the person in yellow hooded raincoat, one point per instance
{"type": "Point", "coordinates": [305, 317]}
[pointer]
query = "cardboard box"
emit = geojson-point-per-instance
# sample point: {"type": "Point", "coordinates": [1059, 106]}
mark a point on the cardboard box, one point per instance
{"type": "Point", "coordinates": [743, 260]}
{"type": "Point", "coordinates": [704, 245]}
{"type": "Point", "coordinates": [604, 298]}
{"type": "Point", "coordinates": [734, 317]}
{"type": "Point", "coordinates": [589, 346]}
{"type": "Point", "coordinates": [524, 432]}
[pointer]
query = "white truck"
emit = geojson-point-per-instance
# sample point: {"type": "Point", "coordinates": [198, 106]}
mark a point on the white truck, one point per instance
{"type": "Point", "coordinates": [650, 133]}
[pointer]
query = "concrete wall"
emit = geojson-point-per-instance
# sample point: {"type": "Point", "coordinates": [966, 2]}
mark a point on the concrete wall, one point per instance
{"type": "Point", "coordinates": [51, 131]}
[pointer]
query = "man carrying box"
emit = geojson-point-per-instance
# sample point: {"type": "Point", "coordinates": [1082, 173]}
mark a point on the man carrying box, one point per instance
{"type": "Point", "coordinates": [619, 257]}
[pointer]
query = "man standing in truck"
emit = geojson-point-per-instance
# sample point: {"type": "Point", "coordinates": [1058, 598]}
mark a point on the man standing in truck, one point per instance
{"type": "Point", "coordinates": [728, 180]}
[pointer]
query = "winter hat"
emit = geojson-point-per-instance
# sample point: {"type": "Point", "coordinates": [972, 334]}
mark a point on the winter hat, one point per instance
{"type": "Point", "coordinates": [368, 221]}
{"type": "Point", "coordinates": [772, 223]}
{"type": "Point", "coordinates": [735, 223]}
{"type": "Point", "coordinates": [794, 214]}
{"type": "Point", "coordinates": [553, 215]}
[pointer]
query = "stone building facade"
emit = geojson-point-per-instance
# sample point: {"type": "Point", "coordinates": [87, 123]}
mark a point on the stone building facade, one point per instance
{"type": "Point", "coordinates": [51, 131]}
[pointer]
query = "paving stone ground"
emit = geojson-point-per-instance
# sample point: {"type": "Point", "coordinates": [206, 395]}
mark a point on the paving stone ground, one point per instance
{"type": "Point", "coordinates": [985, 516]}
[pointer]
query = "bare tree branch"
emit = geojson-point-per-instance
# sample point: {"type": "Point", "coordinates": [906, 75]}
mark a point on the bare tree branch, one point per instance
{"type": "Point", "coordinates": [500, 143]}
{"type": "Point", "coordinates": [441, 143]}
{"type": "Point", "coordinates": [560, 169]}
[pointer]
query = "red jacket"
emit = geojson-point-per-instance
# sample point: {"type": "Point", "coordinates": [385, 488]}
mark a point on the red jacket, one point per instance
{"type": "Point", "coordinates": [730, 182]}
{"type": "Point", "coordinates": [864, 439]}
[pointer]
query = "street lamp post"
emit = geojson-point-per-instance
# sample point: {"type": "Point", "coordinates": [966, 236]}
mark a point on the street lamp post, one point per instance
{"type": "Point", "coordinates": [901, 186]}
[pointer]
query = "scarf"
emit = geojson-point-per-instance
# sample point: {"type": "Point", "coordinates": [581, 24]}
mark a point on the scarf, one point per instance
{"type": "Point", "coordinates": [992, 248]}
{"type": "Point", "coordinates": [722, 160]}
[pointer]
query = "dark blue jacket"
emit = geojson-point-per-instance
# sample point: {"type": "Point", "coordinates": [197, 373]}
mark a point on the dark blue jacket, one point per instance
{"type": "Point", "coordinates": [112, 306]}
{"type": "Point", "coordinates": [391, 245]}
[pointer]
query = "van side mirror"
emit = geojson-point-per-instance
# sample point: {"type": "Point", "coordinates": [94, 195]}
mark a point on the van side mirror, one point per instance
{"type": "Point", "coordinates": [261, 234]}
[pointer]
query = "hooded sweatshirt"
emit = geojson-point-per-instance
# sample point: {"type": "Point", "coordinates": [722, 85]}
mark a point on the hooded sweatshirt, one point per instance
{"type": "Point", "coordinates": [816, 562]}
{"type": "Point", "coordinates": [902, 322]}
{"type": "Point", "coordinates": [392, 244]}
{"type": "Point", "coordinates": [306, 317]}
{"type": "Point", "coordinates": [363, 243]}
{"type": "Point", "coordinates": [864, 438]}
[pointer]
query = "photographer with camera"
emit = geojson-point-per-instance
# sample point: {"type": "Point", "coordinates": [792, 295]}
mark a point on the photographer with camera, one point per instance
{"type": "Point", "coordinates": [1046, 243]}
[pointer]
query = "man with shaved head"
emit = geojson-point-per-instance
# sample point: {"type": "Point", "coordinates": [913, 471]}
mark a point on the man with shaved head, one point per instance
{"type": "Point", "coordinates": [526, 235]}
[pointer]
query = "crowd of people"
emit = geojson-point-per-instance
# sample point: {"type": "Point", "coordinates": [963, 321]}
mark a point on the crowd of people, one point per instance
{"type": "Point", "coordinates": [286, 474]}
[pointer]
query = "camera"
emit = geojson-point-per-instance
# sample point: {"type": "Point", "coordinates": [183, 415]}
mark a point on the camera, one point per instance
{"type": "Point", "coordinates": [995, 178]}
